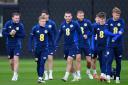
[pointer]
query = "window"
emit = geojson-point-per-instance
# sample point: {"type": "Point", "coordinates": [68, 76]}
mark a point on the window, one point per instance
{"type": "Point", "coordinates": [1, 25]}
{"type": "Point", "coordinates": [8, 1]}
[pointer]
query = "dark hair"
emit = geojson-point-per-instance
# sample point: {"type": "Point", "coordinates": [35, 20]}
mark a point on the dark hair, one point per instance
{"type": "Point", "coordinates": [116, 10]}
{"type": "Point", "coordinates": [80, 11]}
{"type": "Point", "coordinates": [15, 14]}
{"type": "Point", "coordinates": [101, 15]}
{"type": "Point", "coordinates": [68, 12]}
{"type": "Point", "coordinates": [45, 11]}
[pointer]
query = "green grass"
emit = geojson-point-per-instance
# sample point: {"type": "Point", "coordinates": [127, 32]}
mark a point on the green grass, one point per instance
{"type": "Point", "coordinates": [28, 76]}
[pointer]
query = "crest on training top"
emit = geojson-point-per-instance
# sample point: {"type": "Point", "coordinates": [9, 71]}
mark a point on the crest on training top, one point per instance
{"type": "Point", "coordinates": [85, 24]}
{"type": "Point", "coordinates": [17, 28]}
{"type": "Point", "coordinates": [46, 31]}
{"type": "Point", "coordinates": [118, 24]}
{"type": "Point", "coordinates": [49, 26]}
{"type": "Point", "coordinates": [71, 25]}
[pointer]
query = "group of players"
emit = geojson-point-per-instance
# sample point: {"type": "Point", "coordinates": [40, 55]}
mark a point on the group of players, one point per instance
{"type": "Point", "coordinates": [102, 40]}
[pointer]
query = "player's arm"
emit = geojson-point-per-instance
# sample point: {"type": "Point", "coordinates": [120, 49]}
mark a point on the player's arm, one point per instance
{"type": "Point", "coordinates": [108, 33]}
{"type": "Point", "coordinates": [120, 32]}
{"type": "Point", "coordinates": [31, 39]}
{"type": "Point", "coordinates": [89, 34]}
{"type": "Point", "coordinates": [78, 30]}
{"type": "Point", "coordinates": [50, 36]}
{"type": "Point", "coordinates": [54, 30]}
{"type": "Point", "coordinates": [5, 31]}
{"type": "Point", "coordinates": [21, 33]}
{"type": "Point", "coordinates": [58, 36]}
{"type": "Point", "coordinates": [93, 37]}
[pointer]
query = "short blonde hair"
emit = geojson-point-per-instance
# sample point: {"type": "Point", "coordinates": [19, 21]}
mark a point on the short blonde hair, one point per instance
{"type": "Point", "coordinates": [116, 10]}
{"type": "Point", "coordinates": [41, 17]}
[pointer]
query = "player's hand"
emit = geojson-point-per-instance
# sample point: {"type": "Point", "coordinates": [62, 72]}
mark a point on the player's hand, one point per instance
{"type": "Point", "coordinates": [114, 39]}
{"type": "Point", "coordinates": [85, 36]}
{"type": "Point", "coordinates": [13, 32]}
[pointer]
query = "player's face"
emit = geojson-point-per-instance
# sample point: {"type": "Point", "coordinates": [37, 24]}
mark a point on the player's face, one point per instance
{"type": "Point", "coordinates": [97, 19]}
{"type": "Point", "coordinates": [42, 22]}
{"type": "Point", "coordinates": [45, 15]}
{"type": "Point", "coordinates": [116, 16]}
{"type": "Point", "coordinates": [102, 21]}
{"type": "Point", "coordinates": [16, 18]}
{"type": "Point", "coordinates": [80, 16]}
{"type": "Point", "coordinates": [68, 17]}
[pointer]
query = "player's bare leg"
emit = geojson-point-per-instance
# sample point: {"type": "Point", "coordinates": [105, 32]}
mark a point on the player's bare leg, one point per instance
{"type": "Point", "coordinates": [94, 67]}
{"type": "Point", "coordinates": [50, 66]}
{"type": "Point", "coordinates": [68, 68]}
{"type": "Point", "coordinates": [16, 67]}
{"type": "Point", "coordinates": [12, 64]}
{"type": "Point", "coordinates": [46, 71]}
{"type": "Point", "coordinates": [88, 59]}
{"type": "Point", "coordinates": [78, 65]}
{"type": "Point", "coordinates": [74, 74]}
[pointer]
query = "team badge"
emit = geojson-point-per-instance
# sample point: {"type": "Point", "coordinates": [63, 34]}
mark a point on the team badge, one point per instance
{"type": "Point", "coordinates": [71, 25]}
{"type": "Point", "coordinates": [17, 28]}
{"type": "Point", "coordinates": [49, 26]}
{"type": "Point", "coordinates": [46, 31]}
{"type": "Point", "coordinates": [85, 24]}
{"type": "Point", "coordinates": [119, 24]}
{"type": "Point", "coordinates": [108, 53]}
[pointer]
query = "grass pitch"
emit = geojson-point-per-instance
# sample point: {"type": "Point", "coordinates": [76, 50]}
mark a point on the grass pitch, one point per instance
{"type": "Point", "coordinates": [28, 75]}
